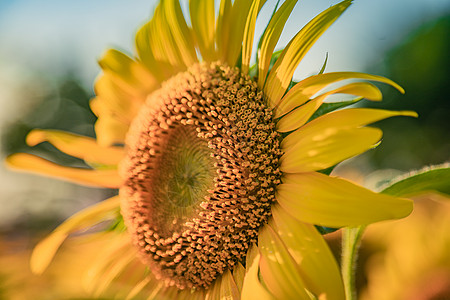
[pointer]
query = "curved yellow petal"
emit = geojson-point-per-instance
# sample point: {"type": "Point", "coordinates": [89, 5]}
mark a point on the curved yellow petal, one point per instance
{"type": "Point", "coordinates": [249, 33]}
{"type": "Point", "coordinates": [281, 74]}
{"type": "Point", "coordinates": [180, 31]}
{"type": "Point", "coordinates": [145, 53]}
{"type": "Point", "coordinates": [110, 130]}
{"type": "Point", "coordinates": [113, 100]}
{"type": "Point", "coordinates": [346, 118]}
{"type": "Point", "coordinates": [253, 288]}
{"type": "Point", "coordinates": [78, 146]}
{"type": "Point", "coordinates": [228, 288]}
{"type": "Point", "coordinates": [270, 39]}
{"type": "Point", "coordinates": [34, 164]}
{"type": "Point", "coordinates": [223, 28]}
{"type": "Point", "coordinates": [114, 248]}
{"type": "Point", "coordinates": [278, 269]}
{"type": "Point", "coordinates": [118, 267]}
{"type": "Point", "coordinates": [308, 87]}
{"type": "Point", "coordinates": [325, 149]}
{"type": "Point", "coordinates": [214, 291]}
{"type": "Point", "coordinates": [238, 17]}
{"type": "Point", "coordinates": [333, 202]}
{"type": "Point", "coordinates": [238, 275]}
{"type": "Point", "coordinates": [299, 116]}
{"type": "Point", "coordinates": [139, 287]}
{"type": "Point", "coordinates": [311, 253]}
{"type": "Point", "coordinates": [203, 24]}
{"type": "Point", "coordinates": [163, 42]}
{"type": "Point", "coordinates": [44, 252]}
{"type": "Point", "coordinates": [128, 74]}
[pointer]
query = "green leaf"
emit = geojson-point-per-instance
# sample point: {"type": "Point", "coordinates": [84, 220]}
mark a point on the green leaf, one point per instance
{"type": "Point", "coordinates": [430, 179]}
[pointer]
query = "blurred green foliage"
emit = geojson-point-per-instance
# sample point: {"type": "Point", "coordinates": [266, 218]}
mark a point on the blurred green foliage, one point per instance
{"type": "Point", "coordinates": [421, 65]}
{"type": "Point", "coordinates": [64, 108]}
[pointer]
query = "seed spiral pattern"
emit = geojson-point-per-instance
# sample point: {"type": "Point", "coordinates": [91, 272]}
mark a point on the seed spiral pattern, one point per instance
{"type": "Point", "coordinates": [200, 174]}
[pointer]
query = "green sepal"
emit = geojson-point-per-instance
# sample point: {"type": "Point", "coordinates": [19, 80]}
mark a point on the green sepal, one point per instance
{"type": "Point", "coordinates": [429, 179]}
{"type": "Point", "coordinates": [117, 224]}
{"type": "Point", "coordinates": [324, 65]}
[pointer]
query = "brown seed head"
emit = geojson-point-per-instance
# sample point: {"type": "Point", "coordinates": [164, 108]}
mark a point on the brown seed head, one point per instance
{"type": "Point", "coordinates": [200, 174]}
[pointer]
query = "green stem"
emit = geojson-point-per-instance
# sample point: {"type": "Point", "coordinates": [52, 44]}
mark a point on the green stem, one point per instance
{"type": "Point", "coordinates": [351, 240]}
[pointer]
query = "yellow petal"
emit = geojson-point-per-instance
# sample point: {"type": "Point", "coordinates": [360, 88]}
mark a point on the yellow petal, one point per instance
{"type": "Point", "coordinates": [249, 33]}
{"type": "Point", "coordinates": [214, 291]}
{"type": "Point", "coordinates": [311, 253]}
{"type": "Point", "coordinates": [236, 25]}
{"type": "Point", "coordinates": [333, 202]}
{"type": "Point", "coordinates": [180, 31]}
{"type": "Point", "coordinates": [163, 42]}
{"type": "Point", "coordinates": [157, 48]}
{"type": "Point", "coordinates": [127, 73]}
{"type": "Point", "coordinates": [76, 145]}
{"type": "Point", "coordinates": [228, 288]}
{"type": "Point", "coordinates": [113, 100]}
{"type": "Point", "coordinates": [238, 275]}
{"type": "Point", "coordinates": [253, 288]}
{"type": "Point", "coordinates": [270, 39]}
{"type": "Point", "coordinates": [115, 247]}
{"type": "Point", "coordinates": [144, 49]}
{"type": "Point", "coordinates": [203, 24]}
{"type": "Point", "coordinates": [308, 87]}
{"type": "Point", "coordinates": [301, 115]}
{"type": "Point", "coordinates": [222, 27]}
{"type": "Point", "coordinates": [44, 252]}
{"type": "Point", "coordinates": [34, 164]}
{"type": "Point", "coordinates": [110, 130]}
{"type": "Point", "coordinates": [325, 149]}
{"type": "Point", "coordinates": [118, 267]}
{"type": "Point", "coordinates": [278, 269]}
{"type": "Point", "coordinates": [346, 118]}
{"type": "Point", "coordinates": [139, 287]}
{"type": "Point", "coordinates": [281, 74]}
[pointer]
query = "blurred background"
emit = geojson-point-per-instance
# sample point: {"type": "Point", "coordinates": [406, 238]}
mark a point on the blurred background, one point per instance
{"type": "Point", "coordinates": [48, 54]}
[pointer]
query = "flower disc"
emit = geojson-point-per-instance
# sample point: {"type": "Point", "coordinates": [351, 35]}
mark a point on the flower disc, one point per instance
{"type": "Point", "coordinates": [200, 174]}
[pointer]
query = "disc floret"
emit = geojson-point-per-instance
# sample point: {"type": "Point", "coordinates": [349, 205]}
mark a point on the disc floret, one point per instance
{"type": "Point", "coordinates": [201, 174]}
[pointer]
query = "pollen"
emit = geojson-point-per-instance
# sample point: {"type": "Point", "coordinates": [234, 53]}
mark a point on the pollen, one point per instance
{"type": "Point", "coordinates": [200, 174]}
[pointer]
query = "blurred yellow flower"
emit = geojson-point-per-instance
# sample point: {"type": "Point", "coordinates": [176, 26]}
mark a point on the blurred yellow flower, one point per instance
{"type": "Point", "coordinates": [218, 163]}
{"type": "Point", "coordinates": [412, 258]}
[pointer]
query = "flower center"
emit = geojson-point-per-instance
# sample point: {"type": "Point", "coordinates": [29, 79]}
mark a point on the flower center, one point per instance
{"type": "Point", "coordinates": [200, 174]}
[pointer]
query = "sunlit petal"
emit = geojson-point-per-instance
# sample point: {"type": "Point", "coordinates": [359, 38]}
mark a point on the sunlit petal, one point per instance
{"type": "Point", "coordinates": [281, 74]}
{"type": "Point", "coordinates": [76, 145]}
{"type": "Point", "coordinates": [44, 252]}
{"type": "Point", "coordinates": [34, 164]}
{"type": "Point", "coordinates": [278, 269]}
{"type": "Point", "coordinates": [311, 253]}
{"type": "Point", "coordinates": [325, 149]}
{"type": "Point", "coordinates": [333, 202]}
{"type": "Point", "coordinates": [308, 87]}
{"type": "Point", "coordinates": [347, 118]}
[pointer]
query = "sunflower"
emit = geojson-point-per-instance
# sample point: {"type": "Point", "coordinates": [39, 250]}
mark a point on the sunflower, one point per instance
{"type": "Point", "coordinates": [222, 167]}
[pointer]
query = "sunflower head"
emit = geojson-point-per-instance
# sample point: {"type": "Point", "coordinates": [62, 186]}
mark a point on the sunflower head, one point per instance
{"type": "Point", "coordinates": [200, 173]}
{"type": "Point", "coordinates": [220, 164]}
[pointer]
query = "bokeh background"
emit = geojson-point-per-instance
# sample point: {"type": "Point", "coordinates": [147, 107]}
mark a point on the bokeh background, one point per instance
{"type": "Point", "coordinates": [48, 54]}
